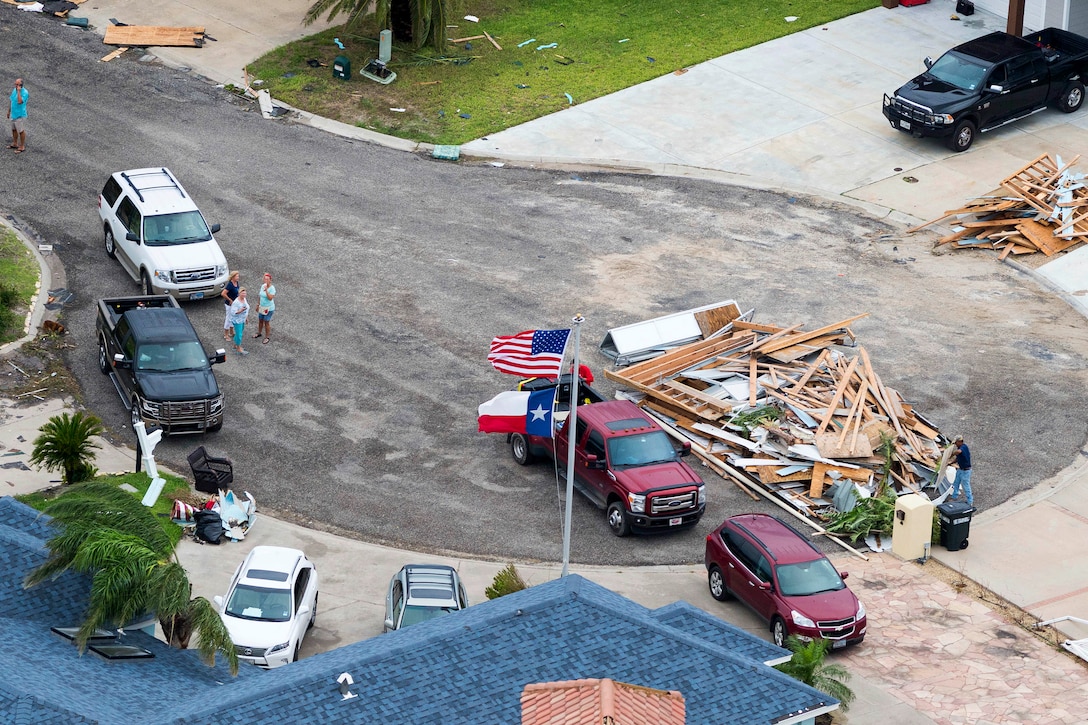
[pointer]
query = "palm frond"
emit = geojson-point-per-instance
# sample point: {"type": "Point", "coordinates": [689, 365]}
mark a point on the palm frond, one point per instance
{"type": "Point", "coordinates": [212, 636]}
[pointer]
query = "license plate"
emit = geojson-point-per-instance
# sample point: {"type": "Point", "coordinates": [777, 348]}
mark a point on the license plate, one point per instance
{"type": "Point", "coordinates": [838, 644]}
{"type": "Point", "coordinates": [196, 296]}
{"type": "Point", "coordinates": [904, 125]}
{"type": "Point", "coordinates": [676, 522]}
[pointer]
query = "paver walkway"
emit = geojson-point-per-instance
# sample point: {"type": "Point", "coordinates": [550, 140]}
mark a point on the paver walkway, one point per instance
{"type": "Point", "coordinates": [993, 671]}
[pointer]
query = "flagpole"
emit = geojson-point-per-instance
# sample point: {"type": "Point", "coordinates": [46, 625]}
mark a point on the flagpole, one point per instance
{"type": "Point", "coordinates": [572, 428]}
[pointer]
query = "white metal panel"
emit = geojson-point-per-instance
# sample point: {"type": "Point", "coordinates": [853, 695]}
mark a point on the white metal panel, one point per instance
{"type": "Point", "coordinates": [660, 332]}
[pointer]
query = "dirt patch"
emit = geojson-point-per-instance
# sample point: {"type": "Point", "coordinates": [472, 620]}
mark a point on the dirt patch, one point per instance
{"type": "Point", "coordinates": [36, 371]}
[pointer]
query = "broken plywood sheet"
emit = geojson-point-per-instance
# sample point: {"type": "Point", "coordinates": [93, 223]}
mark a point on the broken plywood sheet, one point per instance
{"type": "Point", "coordinates": [153, 35]}
{"type": "Point", "coordinates": [853, 446]}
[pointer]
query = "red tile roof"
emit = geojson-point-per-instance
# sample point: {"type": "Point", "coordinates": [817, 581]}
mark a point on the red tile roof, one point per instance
{"type": "Point", "coordinates": [599, 702]}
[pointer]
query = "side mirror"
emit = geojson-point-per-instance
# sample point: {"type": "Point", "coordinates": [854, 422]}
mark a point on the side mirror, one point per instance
{"type": "Point", "coordinates": [131, 236]}
{"type": "Point", "coordinates": [765, 586]}
{"type": "Point", "coordinates": [996, 88]}
{"type": "Point", "coordinates": [594, 463]}
{"type": "Point", "coordinates": [218, 601]}
{"type": "Point", "coordinates": [389, 624]}
{"type": "Point", "coordinates": [844, 574]}
{"type": "Point", "coordinates": [929, 62]}
{"type": "Point", "coordinates": [303, 610]}
{"type": "Point", "coordinates": [685, 448]}
{"type": "Point", "coordinates": [215, 228]}
{"type": "Point", "coordinates": [120, 361]}
{"type": "Point", "coordinates": [220, 356]}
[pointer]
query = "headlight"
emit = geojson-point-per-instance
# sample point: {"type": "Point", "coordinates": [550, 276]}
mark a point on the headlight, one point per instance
{"type": "Point", "coordinates": [278, 648]}
{"type": "Point", "coordinates": [702, 495]}
{"type": "Point", "coordinates": [941, 119]}
{"type": "Point", "coordinates": [151, 408]}
{"type": "Point", "coordinates": [801, 620]}
{"type": "Point", "coordinates": [637, 503]}
{"type": "Point", "coordinates": [861, 611]}
{"type": "Point", "coordinates": [220, 270]}
{"type": "Point", "coordinates": [163, 275]}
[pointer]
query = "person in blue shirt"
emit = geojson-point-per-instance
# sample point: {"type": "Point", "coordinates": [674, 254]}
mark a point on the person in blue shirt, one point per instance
{"type": "Point", "coordinates": [963, 472]}
{"type": "Point", "coordinates": [17, 114]}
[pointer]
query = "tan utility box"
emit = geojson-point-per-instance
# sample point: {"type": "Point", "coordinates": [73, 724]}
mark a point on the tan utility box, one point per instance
{"type": "Point", "coordinates": [912, 526]}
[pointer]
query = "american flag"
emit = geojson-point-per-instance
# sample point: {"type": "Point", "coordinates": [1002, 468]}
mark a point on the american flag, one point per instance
{"type": "Point", "coordinates": [533, 353]}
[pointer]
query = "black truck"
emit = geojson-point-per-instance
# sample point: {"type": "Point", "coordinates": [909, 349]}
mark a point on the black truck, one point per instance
{"type": "Point", "coordinates": [991, 81]}
{"type": "Point", "coordinates": [152, 354]}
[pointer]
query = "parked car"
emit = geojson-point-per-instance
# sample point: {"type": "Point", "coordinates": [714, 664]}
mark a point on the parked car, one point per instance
{"type": "Point", "coordinates": [782, 577]}
{"type": "Point", "coordinates": [419, 592]}
{"type": "Point", "coordinates": [155, 230]}
{"type": "Point", "coordinates": [270, 605]}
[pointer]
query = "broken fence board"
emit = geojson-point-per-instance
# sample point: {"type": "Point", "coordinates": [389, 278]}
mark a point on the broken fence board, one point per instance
{"type": "Point", "coordinates": [152, 35]}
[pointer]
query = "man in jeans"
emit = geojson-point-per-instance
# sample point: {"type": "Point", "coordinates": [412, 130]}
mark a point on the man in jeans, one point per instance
{"type": "Point", "coordinates": [963, 472]}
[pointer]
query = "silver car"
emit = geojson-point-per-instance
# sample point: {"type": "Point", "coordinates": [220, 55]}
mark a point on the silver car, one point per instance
{"type": "Point", "coordinates": [419, 592]}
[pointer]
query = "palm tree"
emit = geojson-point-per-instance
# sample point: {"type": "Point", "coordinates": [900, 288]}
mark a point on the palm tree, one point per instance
{"type": "Point", "coordinates": [107, 533]}
{"type": "Point", "coordinates": [420, 22]}
{"type": "Point", "coordinates": [65, 444]}
{"type": "Point", "coordinates": [807, 665]}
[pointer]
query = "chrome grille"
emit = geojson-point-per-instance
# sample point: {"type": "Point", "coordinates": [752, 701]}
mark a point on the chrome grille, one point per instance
{"type": "Point", "coordinates": [909, 110]}
{"type": "Point", "coordinates": [836, 629]}
{"type": "Point", "coordinates": [202, 274]}
{"type": "Point", "coordinates": [249, 651]}
{"type": "Point", "coordinates": [676, 502]}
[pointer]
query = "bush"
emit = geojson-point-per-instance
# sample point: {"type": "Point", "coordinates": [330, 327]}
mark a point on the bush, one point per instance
{"type": "Point", "coordinates": [507, 581]}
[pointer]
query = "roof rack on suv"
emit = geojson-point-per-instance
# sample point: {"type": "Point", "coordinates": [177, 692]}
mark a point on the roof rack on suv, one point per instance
{"type": "Point", "coordinates": [172, 185]}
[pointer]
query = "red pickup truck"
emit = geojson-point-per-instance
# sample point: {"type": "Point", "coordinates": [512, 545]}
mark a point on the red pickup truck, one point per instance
{"type": "Point", "coordinates": [624, 463]}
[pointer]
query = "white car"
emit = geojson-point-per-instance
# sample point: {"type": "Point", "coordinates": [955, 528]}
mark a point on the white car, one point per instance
{"type": "Point", "coordinates": [155, 230]}
{"type": "Point", "coordinates": [270, 605]}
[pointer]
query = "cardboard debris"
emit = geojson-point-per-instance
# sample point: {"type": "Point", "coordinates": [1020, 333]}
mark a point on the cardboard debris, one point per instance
{"type": "Point", "coordinates": [787, 410]}
{"type": "Point", "coordinates": [1047, 212]}
{"type": "Point", "coordinates": [152, 35]}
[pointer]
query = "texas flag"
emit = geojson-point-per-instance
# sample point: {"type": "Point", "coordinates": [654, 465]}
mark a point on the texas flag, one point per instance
{"type": "Point", "coordinates": [518, 411]}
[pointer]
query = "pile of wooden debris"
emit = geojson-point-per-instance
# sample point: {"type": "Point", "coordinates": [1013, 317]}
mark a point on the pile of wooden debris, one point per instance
{"type": "Point", "coordinates": [788, 410]}
{"type": "Point", "coordinates": [1047, 212]}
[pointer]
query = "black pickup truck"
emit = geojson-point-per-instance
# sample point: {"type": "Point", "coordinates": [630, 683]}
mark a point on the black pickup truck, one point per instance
{"type": "Point", "coordinates": [989, 82]}
{"type": "Point", "coordinates": [152, 354]}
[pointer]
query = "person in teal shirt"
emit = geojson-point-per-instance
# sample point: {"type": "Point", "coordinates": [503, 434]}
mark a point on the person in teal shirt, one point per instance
{"type": "Point", "coordinates": [17, 114]}
{"type": "Point", "coordinates": [266, 308]}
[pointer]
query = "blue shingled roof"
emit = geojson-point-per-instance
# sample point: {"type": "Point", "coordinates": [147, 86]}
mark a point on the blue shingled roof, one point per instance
{"type": "Point", "coordinates": [470, 667]}
{"type": "Point", "coordinates": [463, 669]}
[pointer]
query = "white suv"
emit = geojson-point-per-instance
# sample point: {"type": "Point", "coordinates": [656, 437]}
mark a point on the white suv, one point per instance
{"type": "Point", "coordinates": [153, 228]}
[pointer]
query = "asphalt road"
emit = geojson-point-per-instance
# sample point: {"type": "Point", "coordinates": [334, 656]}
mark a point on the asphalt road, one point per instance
{"type": "Point", "coordinates": [394, 271]}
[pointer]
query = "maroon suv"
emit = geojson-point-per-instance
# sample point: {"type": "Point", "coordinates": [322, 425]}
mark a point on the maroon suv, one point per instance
{"type": "Point", "coordinates": [771, 567]}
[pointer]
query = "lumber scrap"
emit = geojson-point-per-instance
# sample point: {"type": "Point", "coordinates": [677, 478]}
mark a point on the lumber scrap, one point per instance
{"type": "Point", "coordinates": [153, 35]}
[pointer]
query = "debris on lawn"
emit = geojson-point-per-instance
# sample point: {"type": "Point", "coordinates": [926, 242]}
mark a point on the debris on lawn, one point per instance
{"type": "Point", "coordinates": [112, 55]}
{"type": "Point", "coordinates": [789, 412]}
{"type": "Point", "coordinates": [1046, 211]}
{"type": "Point", "coordinates": [549, 45]}
{"type": "Point", "coordinates": [525, 43]}
{"type": "Point", "coordinates": [154, 35]}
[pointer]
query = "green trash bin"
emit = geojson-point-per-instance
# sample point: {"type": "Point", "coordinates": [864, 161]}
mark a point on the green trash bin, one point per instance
{"type": "Point", "coordinates": [341, 68]}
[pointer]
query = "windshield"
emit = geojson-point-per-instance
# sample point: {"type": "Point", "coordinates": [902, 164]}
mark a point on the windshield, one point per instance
{"type": "Point", "coordinates": [184, 227]}
{"type": "Point", "coordinates": [809, 577]}
{"type": "Point", "coordinates": [267, 605]}
{"type": "Point", "coordinates": [165, 357]}
{"type": "Point", "coordinates": [959, 71]}
{"type": "Point", "coordinates": [414, 614]}
{"type": "Point", "coordinates": [640, 449]}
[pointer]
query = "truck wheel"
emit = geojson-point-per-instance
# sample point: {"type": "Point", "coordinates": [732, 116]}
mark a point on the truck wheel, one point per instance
{"type": "Point", "coordinates": [617, 519]}
{"type": "Point", "coordinates": [145, 282]}
{"type": "Point", "coordinates": [1073, 97]}
{"type": "Point", "coordinates": [111, 245]}
{"type": "Point", "coordinates": [217, 427]}
{"type": "Point", "coordinates": [962, 136]}
{"type": "Point", "coordinates": [103, 357]}
{"type": "Point", "coordinates": [716, 580]}
{"type": "Point", "coordinates": [134, 412]}
{"type": "Point", "coordinates": [519, 448]}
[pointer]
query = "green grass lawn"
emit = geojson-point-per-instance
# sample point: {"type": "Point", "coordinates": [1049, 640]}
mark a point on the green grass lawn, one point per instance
{"type": "Point", "coordinates": [175, 488]}
{"type": "Point", "coordinates": [18, 281]}
{"type": "Point", "coordinates": [470, 92]}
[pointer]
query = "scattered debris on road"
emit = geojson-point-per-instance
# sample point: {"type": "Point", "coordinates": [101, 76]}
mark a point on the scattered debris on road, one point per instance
{"type": "Point", "coordinates": [1046, 211]}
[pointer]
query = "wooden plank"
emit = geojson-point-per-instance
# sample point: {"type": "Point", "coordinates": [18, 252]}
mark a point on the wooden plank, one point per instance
{"type": "Point", "coordinates": [492, 40]}
{"type": "Point", "coordinates": [753, 384]}
{"type": "Point", "coordinates": [816, 488]}
{"type": "Point", "coordinates": [152, 35]}
{"type": "Point", "coordinates": [699, 395]}
{"type": "Point", "coordinates": [114, 54]}
{"type": "Point", "coordinates": [792, 340]}
{"type": "Point", "coordinates": [471, 37]}
{"type": "Point", "coordinates": [829, 446]}
{"type": "Point", "coordinates": [839, 390]}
